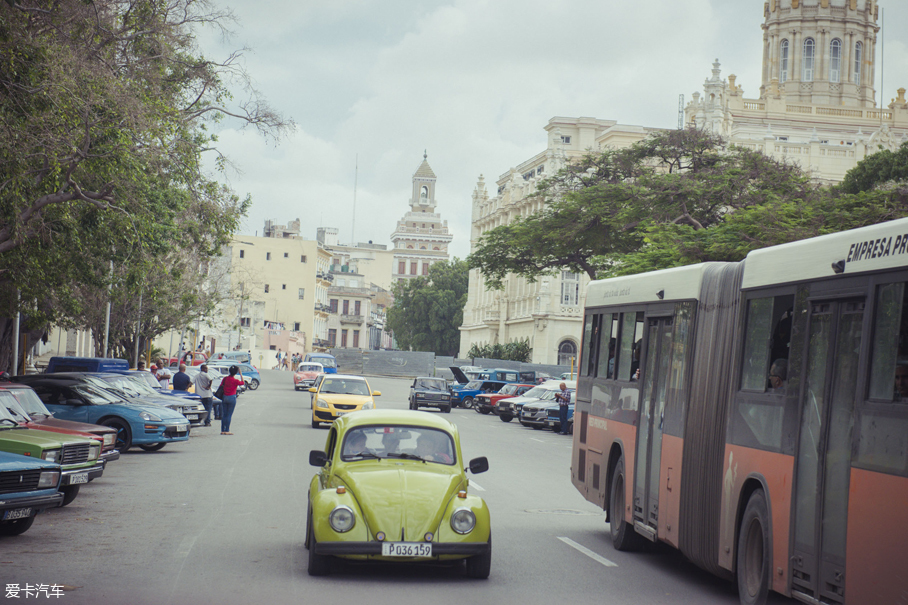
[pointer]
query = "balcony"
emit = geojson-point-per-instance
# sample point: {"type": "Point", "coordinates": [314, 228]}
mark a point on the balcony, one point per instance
{"type": "Point", "coordinates": [322, 308]}
{"type": "Point", "coordinates": [325, 276]}
{"type": "Point", "coordinates": [351, 319]}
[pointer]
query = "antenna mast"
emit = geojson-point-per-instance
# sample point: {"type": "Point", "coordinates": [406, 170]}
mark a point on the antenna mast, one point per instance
{"type": "Point", "coordinates": [355, 178]}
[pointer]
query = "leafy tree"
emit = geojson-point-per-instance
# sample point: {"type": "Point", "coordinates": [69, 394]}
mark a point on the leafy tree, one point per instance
{"type": "Point", "coordinates": [105, 114]}
{"type": "Point", "coordinates": [676, 198]}
{"type": "Point", "coordinates": [428, 311]}
{"type": "Point", "coordinates": [518, 350]}
{"type": "Point", "coordinates": [881, 167]}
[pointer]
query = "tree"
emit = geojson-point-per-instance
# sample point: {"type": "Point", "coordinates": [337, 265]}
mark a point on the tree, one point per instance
{"type": "Point", "coordinates": [874, 170]}
{"type": "Point", "coordinates": [676, 198]}
{"type": "Point", "coordinates": [428, 311]}
{"type": "Point", "coordinates": [518, 350]}
{"type": "Point", "coordinates": [105, 116]}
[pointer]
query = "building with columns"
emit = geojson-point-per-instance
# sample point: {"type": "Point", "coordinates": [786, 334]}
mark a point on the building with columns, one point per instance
{"type": "Point", "coordinates": [817, 100]}
{"type": "Point", "coordinates": [548, 312]}
{"type": "Point", "coordinates": [421, 237]}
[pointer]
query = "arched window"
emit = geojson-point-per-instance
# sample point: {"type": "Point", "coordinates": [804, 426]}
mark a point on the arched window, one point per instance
{"type": "Point", "coordinates": [858, 55]}
{"type": "Point", "coordinates": [424, 193]}
{"type": "Point", "coordinates": [809, 58]}
{"type": "Point", "coordinates": [835, 60]}
{"type": "Point", "coordinates": [567, 351]}
{"type": "Point", "coordinates": [783, 61]}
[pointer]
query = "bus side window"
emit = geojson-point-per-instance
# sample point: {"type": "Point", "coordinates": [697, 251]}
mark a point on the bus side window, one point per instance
{"type": "Point", "coordinates": [590, 342]}
{"type": "Point", "coordinates": [606, 348]}
{"type": "Point", "coordinates": [631, 344]}
{"type": "Point", "coordinates": [889, 361]}
{"type": "Point", "coordinates": [767, 342]}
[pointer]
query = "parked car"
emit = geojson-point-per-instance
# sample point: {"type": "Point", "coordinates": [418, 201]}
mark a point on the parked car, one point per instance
{"type": "Point", "coordinates": [30, 405]}
{"type": "Point", "coordinates": [340, 394]}
{"type": "Point", "coordinates": [77, 456]}
{"type": "Point", "coordinates": [535, 414]}
{"type": "Point", "coordinates": [233, 356]}
{"type": "Point", "coordinates": [28, 486]}
{"type": "Point", "coordinates": [86, 364]}
{"type": "Point", "coordinates": [148, 426]}
{"type": "Point", "coordinates": [554, 418]}
{"type": "Point", "coordinates": [329, 362]}
{"type": "Point", "coordinates": [305, 375]}
{"type": "Point", "coordinates": [190, 358]}
{"type": "Point", "coordinates": [486, 403]}
{"type": "Point", "coordinates": [569, 375]}
{"type": "Point", "coordinates": [251, 375]}
{"type": "Point", "coordinates": [392, 487]}
{"type": "Point", "coordinates": [430, 392]}
{"type": "Point", "coordinates": [466, 394]}
{"type": "Point", "coordinates": [134, 389]}
{"type": "Point", "coordinates": [508, 409]}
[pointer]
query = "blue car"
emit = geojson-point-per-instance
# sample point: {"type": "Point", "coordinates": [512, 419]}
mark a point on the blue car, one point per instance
{"type": "Point", "coordinates": [464, 395]}
{"type": "Point", "coordinates": [147, 426]}
{"type": "Point", "coordinates": [28, 486]}
{"type": "Point", "coordinates": [250, 373]}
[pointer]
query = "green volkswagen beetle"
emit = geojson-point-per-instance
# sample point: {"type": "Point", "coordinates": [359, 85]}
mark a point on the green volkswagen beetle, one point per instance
{"type": "Point", "coordinates": [392, 487]}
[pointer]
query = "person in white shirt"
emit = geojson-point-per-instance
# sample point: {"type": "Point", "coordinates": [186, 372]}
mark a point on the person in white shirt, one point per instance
{"type": "Point", "coordinates": [203, 388]}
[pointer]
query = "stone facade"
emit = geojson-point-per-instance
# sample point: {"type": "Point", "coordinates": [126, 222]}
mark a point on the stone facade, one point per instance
{"type": "Point", "coordinates": [817, 104]}
{"type": "Point", "coordinates": [421, 237]}
{"type": "Point", "coordinates": [548, 312]}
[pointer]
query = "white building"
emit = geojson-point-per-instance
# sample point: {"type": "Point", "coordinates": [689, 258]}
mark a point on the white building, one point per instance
{"type": "Point", "coordinates": [421, 237]}
{"type": "Point", "coordinates": [548, 312]}
{"type": "Point", "coordinates": [817, 103]}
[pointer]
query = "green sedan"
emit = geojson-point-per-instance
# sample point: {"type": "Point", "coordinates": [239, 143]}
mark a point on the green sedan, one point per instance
{"type": "Point", "coordinates": [392, 487]}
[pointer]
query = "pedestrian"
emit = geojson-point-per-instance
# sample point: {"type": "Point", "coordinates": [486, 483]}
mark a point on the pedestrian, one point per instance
{"type": "Point", "coordinates": [163, 374]}
{"type": "Point", "coordinates": [202, 383]}
{"type": "Point", "coordinates": [228, 401]}
{"type": "Point", "coordinates": [141, 366]}
{"type": "Point", "coordinates": [181, 380]}
{"type": "Point", "coordinates": [278, 357]}
{"type": "Point", "coordinates": [563, 397]}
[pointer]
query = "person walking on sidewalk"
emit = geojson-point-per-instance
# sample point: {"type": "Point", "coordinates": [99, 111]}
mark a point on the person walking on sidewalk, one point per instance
{"type": "Point", "coordinates": [228, 401]}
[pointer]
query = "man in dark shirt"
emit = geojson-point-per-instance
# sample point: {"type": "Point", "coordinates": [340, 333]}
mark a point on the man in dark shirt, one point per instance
{"type": "Point", "coordinates": [181, 380]}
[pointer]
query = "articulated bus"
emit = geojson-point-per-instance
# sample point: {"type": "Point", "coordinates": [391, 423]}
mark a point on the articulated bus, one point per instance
{"type": "Point", "coordinates": [754, 415]}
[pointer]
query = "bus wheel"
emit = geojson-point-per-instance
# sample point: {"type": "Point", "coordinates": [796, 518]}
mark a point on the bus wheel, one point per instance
{"type": "Point", "coordinates": [623, 535]}
{"type": "Point", "coordinates": [754, 552]}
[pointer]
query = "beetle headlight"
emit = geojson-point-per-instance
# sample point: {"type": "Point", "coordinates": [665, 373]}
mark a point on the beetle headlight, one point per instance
{"type": "Point", "coordinates": [342, 519]}
{"type": "Point", "coordinates": [51, 456]}
{"type": "Point", "coordinates": [48, 479]}
{"type": "Point", "coordinates": [463, 521]}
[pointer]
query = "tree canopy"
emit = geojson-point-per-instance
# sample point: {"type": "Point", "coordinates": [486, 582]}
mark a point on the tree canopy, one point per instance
{"type": "Point", "coordinates": [679, 197]}
{"type": "Point", "coordinates": [428, 310]}
{"type": "Point", "coordinates": [107, 109]}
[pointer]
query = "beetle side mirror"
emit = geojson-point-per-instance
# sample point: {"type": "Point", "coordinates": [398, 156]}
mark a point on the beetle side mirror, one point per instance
{"type": "Point", "coordinates": [479, 465]}
{"type": "Point", "coordinates": [318, 458]}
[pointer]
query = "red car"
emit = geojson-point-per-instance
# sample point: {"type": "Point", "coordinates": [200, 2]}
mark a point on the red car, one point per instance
{"type": "Point", "coordinates": [488, 402]}
{"type": "Point", "coordinates": [190, 358]}
{"type": "Point", "coordinates": [35, 415]}
{"type": "Point", "coordinates": [306, 374]}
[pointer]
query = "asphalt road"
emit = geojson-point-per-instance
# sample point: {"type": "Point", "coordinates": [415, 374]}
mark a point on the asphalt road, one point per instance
{"type": "Point", "coordinates": [221, 520]}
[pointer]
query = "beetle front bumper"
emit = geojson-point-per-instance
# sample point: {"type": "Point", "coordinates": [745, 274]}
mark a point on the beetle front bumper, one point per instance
{"type": "Point", "coordinates": [465, 549]}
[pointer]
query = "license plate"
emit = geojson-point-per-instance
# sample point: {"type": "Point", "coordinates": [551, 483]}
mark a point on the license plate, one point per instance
{"type": "Point", "coordinates": [192, 416]}
{"type": "Point", "coordinates": [80, 478]}
{"type": "Point", "coordinates": [17, 513]}
{"type": "Point", "coordinates": [339, 414]}
{"type": "Point", "coordinates": [406, 549]}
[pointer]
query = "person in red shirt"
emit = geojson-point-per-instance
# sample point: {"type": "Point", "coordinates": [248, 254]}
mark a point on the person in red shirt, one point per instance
{"type": "Point", "coordinates": [228, 401]}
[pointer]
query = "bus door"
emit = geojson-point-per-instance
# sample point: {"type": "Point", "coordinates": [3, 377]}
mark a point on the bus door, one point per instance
{"type": "Point", "coordinates": [824, 449]}
{"type": "Point", "coordinates": [649, 439]}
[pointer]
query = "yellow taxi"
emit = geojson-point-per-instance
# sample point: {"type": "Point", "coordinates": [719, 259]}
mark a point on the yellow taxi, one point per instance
{"type": "Point", "coordinates": [339, 394]}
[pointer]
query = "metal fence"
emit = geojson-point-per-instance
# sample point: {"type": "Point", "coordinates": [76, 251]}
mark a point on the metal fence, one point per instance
{"type": "Point", "coordinates": [411, 364]}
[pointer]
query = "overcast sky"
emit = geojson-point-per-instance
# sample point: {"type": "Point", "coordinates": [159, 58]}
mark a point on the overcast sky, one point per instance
{"type": "Point", "coordinates": [472, 82]}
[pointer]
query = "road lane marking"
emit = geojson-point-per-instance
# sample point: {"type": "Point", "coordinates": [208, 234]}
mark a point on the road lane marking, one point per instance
{"type": "Point", "coordinates": [539, 440]}
{"type": "Point", "coordinates": [587, 552]}
{"type": "Point", "coordinates": [476, 486]}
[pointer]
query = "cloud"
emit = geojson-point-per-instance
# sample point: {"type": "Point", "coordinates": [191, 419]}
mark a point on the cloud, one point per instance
{"type": "Point", "coordinates": [473, 82]}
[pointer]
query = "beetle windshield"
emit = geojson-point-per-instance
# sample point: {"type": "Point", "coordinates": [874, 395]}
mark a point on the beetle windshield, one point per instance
{"type": "Point", "coordinates": [407, 442]}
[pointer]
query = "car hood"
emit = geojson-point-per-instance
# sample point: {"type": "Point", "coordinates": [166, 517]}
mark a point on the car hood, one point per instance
{"type": "Point", "coordinates": [70, 425]}
{"type": "Point", "coordinates": [162, 412]}
{"type": "Point", "coordinates": [459, 376]}
{"type": "Point", "coordinates": [307, 375]}
{"type": "Point", "coordinates": [337, 398]}
{"type": "Point", "coordinates": [402, 495]}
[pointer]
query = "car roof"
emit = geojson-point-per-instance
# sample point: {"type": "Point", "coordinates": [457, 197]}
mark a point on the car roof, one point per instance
{"type": "Point", "coordinates": [345, 376]}
{"type": "Point", "coordinates": [428, 378]}
{"type": "Point", "coordinates": [401, 417]}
